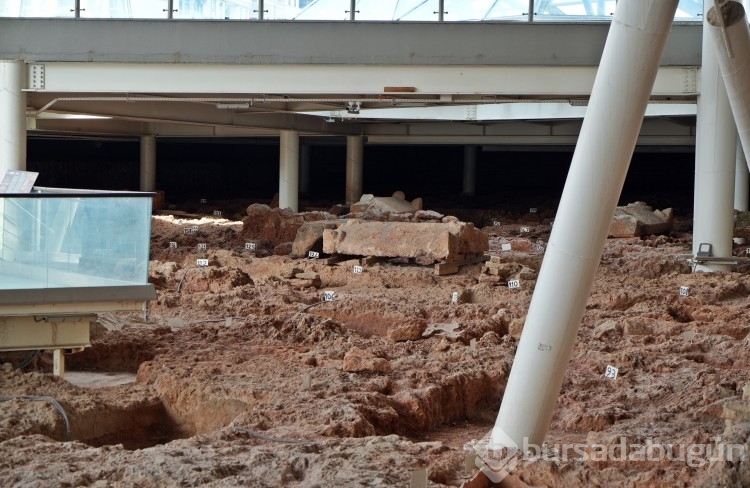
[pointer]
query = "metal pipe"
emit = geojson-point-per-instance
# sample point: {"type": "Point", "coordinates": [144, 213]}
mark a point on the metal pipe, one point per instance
{"type": "Point", "coordinates": [352, 6]}
{"type": "Point", "coordinates": [77, 9]}
{"type": "Point", "coordinates": [354, 163]}
{"type": "Point", "coordinates": [531, 11]}
{"type": "Point", "coordinates": [715, 155]}
{"type": "Point", "coordinates": [12, 116]}
{"type": "Point", "coordinates": [289, 169]}
{"type": "Point", "coordinates": [600, 162]}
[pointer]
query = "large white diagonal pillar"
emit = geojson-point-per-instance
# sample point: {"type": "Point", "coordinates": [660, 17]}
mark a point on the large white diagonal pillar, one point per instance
{"type": "Point", "coordinates": [600, 163]}
{"type": "Point", "coordinates": [715, 154]}
{"type": "Point", "coordinates": [148, 163]}
{"type": "Point", "coordinates": [730, 37]}
{"type": "Point", "coordinates": [354, 168]}
{"type": "Point", "coordinates": [12, 116]}
{"type": "Point", "coordinates": [289, 170]}
{"type": "Point", "coordinates": [741, 180]}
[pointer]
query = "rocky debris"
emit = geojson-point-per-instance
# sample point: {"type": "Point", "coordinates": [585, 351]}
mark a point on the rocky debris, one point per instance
{"type": "Point", "coordinates": [306, 279]}
{"type": "Point", "coordinates": [426, 240]}
{"type": "Point", "coordinates": [607, 330]}
{"type": "Point", "coordinates": [731, 466]}
{"type": "Point", "coordinates": [428, 215]}
{"type": "Point", "coordinates": [411, 331]}
{"type": "Point", "coordinates": [393, 204]}
{"type": "Point", "coordinates": [742, 224]}
{"type": "Point", "coordinates": [274, 226]}
{"type": "Point", "coordinates": [310, 237]}
{"type": "Point", "coordinates": [357, 360]}
{"type": "Point", "coordinates": [638, 219]}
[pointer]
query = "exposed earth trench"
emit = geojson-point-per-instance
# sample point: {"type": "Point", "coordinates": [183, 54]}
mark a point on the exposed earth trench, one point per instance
{"type": "Point", "coordinates": [242, 377]}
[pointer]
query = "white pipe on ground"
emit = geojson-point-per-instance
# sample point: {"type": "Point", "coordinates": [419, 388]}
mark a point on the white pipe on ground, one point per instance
{"type": "Point", "coordinates": [289, 169]}
{"type": "Point", "coordinates": [715, 154]}
{"type": "Point", "coordinates": [600, 162]}
{"type": "Point", "coordinates": [12, 116]}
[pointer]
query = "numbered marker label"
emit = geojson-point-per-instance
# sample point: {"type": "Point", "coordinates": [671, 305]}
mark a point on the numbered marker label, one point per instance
{"type": "Point", "coordinates": [505, 247]}
{"type": "Point", "coordinates": [684, 291]}
{"type": "Point", "coordinates": [358, 270]}
{"type": "Point", "coordinates": [747, 251]}
{"type": "Point", "coordinates": [532, 210]}
{"type": "Point", "coordinates": [217, 213]}
{"type": "Point", "coordinates": [173, 245]}
{"type": "Point", "coordinates": [454, 297]}
{"type": "Point", "coordinates": [202, 247]}
{"type": "Point", "coordinates": [496, 223]}
{"type": "Point", "coordinates": [201, 262]}
{"type": "Point", "coordinates": [524, 229]}
{"type": "Point", "coordinates": [610, 372]}
{"type": "Point", "coordinates": [203, 200]}
{"type": "Point", "coordinates": [329, 296]}
{"type": "Point", "coordinates": [539, 248]}
{"type": "Point", "coordinates": [191, 230]}
{"type": "Point", "coordinates": [249, 246]}
{"type": "Point", "coordinates": [514, 284]}
{"type": "Point", "coordinates": [313, 255]}
{"type": "Point", "coordinates": [473, 344]}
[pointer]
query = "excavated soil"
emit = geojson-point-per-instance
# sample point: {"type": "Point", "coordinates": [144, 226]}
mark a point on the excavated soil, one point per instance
{"type": "Point", "coordinates": [243, 377]}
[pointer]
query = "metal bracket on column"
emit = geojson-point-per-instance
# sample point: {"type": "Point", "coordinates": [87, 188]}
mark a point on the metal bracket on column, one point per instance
{"type": "Point", "coordinates": [36, 76]}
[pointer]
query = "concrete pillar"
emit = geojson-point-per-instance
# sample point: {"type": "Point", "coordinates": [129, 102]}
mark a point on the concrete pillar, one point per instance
{"type": "Point", "coordinates": [304, 169]}
{"type": "Point", "coordinates": [618, 102]}
{"type": "Point", "coordinates": [354, 163]}
{"type": "Point", "coordinates": [470, 170]}
{"type": "Point", "coordinates": [12, 116]}
{"type": "Point", "coordinates": [148, 163]}
{"type": "Point", "coordinates": [289, 170]}
{"type": "Point", "coordinates": [741, 180]}
{"type": "Point", "coordinates": [715, 154]}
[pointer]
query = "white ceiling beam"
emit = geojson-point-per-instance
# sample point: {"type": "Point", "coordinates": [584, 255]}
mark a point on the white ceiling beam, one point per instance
{"type": "Point", "coordinates": [339, 80]}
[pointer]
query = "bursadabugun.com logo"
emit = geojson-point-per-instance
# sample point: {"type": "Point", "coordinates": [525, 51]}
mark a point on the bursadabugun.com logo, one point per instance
{"type": "Point", "coordinates": [497, 455]}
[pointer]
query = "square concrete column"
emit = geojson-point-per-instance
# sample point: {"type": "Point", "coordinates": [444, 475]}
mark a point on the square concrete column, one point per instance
{"type": "Point", "coordinates": [148, 163]}
{"type": "Point", "coordinates": [354, 157]}
{"type": "Point", "coordinates": [12, 116]}
{"type": "Point", "coordinates": [470, 170]}
{"type": "Point", "coordinates": [289, 170]}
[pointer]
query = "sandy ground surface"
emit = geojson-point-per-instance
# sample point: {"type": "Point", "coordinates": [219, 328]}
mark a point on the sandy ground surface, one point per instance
{"type": "Point", "coordinates": [244, 378]}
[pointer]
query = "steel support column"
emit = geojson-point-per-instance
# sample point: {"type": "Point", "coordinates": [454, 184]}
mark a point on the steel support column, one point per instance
{"type": "Point", "coordinates": [715, 154]}
{"type": "Point", "coordinates": [12, 116]}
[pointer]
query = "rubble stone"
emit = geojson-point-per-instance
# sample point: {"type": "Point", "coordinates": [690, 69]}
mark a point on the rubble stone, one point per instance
{"type": "Point", "coordinates": [310, 237]}
{"type": "Point", "coordinates": [357, 360]}
{"type": "Point", "coordinates": [407, 332]}
{"type": "Point", "coordinates": [638, 220]}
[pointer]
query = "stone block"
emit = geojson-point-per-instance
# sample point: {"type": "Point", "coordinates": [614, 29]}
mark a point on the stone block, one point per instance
{"type": "Point", "coordinates": [424, 240]}
{"type": "Point", "coordinates": [407, 332]}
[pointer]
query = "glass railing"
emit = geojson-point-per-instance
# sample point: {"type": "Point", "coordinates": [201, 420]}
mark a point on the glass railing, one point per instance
{"type": "Point", "coordinates": [335, 10]}
{"type": "Point", "coordinates": [74, 238]}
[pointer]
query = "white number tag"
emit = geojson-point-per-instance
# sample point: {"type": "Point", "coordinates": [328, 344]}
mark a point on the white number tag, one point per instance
{"type": "Point", "coordinates": [514, 284]}
{"type": "Point", "coordinates": [201, 262]}
{"type": "Point", "coordinates": [611, 372]}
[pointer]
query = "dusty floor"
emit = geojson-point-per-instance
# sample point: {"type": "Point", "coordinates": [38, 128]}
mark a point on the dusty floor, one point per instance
{"type": "Point", "coordinates": [263, 399]}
